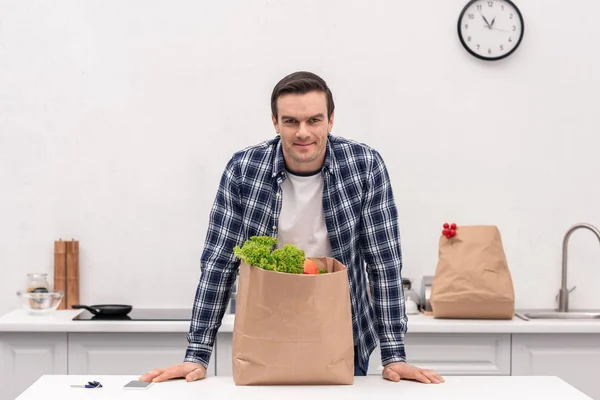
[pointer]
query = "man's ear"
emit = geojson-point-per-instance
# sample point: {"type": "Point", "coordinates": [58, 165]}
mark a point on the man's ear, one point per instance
{"type": "Point", "coordinates": [275, 124]}
{"type": "Point", "coordinates": [330, 122]}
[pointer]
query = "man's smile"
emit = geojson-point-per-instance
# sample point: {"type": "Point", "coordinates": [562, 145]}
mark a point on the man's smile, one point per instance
{"type": "Point", "coordinates": [304, 144]}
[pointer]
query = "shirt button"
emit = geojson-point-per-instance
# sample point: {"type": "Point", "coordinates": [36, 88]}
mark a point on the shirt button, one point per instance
{"type": "Point", "coordinates": [274, 227]}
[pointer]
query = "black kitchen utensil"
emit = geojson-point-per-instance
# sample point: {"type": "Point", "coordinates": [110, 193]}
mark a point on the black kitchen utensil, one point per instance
{"type": "Point", "coordinates": [106, 310]}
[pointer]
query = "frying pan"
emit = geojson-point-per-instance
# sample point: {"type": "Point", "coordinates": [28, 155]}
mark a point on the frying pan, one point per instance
{"type": "Point", "coordinates": [106, 310]}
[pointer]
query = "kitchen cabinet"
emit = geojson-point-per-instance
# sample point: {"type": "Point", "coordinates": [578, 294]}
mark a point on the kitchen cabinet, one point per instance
{"type": "Point", "coordinates": [129, 353]}
{"type": "Point", "coordinates": [454, 353]}
{"type": "Point", "coordinates": [223, 354]}
{"type": "Point", "coordinates": [449, 354]}
{"type": "Point", "coordinates": [25, 356]}
{"type": "Point", "coordinates": [575, 358]}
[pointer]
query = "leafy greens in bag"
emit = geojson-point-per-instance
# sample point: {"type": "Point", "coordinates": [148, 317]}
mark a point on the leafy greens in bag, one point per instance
{"type": "Point", "coordinates": [258, 252]}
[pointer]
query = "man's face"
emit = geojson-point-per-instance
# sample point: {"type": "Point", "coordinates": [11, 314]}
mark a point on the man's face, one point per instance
{"type": "Point", "coordinates": [303, 126]}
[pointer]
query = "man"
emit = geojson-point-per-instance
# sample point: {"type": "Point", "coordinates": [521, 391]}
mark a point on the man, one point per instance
{"type": "Point", "coordinates": [328, 195]}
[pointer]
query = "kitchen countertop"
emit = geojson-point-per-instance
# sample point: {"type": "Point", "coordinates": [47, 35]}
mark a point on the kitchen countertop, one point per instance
{"type": "Point", "coordinates": [62, 321]}
{"type": "Point", "coordinates": [455, 387]}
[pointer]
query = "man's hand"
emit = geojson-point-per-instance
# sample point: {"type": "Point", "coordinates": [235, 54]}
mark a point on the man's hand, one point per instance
{"type": "Point", "coordinates": [399, 370]}
{"type": "Point", "coordinates": [189, 370]}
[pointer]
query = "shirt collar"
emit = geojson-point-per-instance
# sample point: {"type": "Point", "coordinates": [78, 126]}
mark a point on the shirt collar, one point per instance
{"type": "Point", "coordinates": [279, 163]}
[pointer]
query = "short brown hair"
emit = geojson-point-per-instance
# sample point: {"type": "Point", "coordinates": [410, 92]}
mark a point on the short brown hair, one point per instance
{"type": "Point", "coordinates": [301, 82]}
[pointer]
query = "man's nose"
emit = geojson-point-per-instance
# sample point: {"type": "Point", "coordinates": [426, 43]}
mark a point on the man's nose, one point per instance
{"type": "Point", "coordinates": [302, 130]}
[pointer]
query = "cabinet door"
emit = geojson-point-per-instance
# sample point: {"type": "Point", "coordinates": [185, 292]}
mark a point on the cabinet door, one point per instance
{"type": "Point", "coordinates": [126, 353]}
{"type": "Point", "coordinates": [224, 365]}
{"type": "Point", "coordinates": [24, 357]}
{"type": "Point", "coordinates": [449, 354]}
{"type": "Point", "coordinates": [575, 358]}
{"type": "Point", "coordinates": [454, 354]}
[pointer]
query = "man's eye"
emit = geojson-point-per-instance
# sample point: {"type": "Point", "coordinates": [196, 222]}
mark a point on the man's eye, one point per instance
{"type": "Point", "coordinates": [314, 120]}
{"type": "Point", "coordinates": [289, 121]}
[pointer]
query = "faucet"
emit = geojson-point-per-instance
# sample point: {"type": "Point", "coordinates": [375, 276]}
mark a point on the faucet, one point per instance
{"type": "Point", "coordinates": [563, 294]}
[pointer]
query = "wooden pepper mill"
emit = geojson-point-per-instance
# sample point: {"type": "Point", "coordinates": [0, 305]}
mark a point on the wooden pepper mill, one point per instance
{"type": "Point", "coordinates": [72, 273]}
{"type": "Point", "coordinates": [60, 271]}
{"type": "Point", "coordinates": [66, 272]}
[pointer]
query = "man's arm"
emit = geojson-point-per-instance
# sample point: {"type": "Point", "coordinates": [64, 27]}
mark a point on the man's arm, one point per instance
{"type": "Point", "coordinates": [218, 268]}
{"type": "Point", "coordinates": [380, 242]}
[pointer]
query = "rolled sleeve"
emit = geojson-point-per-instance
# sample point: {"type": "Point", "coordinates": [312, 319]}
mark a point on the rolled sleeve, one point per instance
{"type": "Point", "coordinates": [380, 242]}
{"type": "Point", "coordinates": [218, 268]}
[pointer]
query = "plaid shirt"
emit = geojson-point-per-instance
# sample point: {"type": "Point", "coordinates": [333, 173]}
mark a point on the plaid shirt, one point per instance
{"type": "Point", "coordinates": [361, 219]}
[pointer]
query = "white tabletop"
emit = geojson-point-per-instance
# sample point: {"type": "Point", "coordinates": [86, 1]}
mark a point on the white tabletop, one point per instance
{"type": "Point", "coordinates": [455, 387]}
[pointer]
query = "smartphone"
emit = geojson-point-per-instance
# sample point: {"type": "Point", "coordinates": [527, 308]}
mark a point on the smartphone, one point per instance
{"type": "Point", "coordinates": [138, 385]}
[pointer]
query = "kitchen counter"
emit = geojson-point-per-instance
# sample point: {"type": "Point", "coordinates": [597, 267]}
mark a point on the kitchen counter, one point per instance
{"type": "Point", "coordinates": [32, 346]}
{"type": "Point", "coordinates": [455, 387]}
{"type": "Point", "coordinates": [62, 321]}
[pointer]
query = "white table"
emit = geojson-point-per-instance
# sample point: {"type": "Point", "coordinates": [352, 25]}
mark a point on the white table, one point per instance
{"type": "Point", "coordinates": [370, 387]}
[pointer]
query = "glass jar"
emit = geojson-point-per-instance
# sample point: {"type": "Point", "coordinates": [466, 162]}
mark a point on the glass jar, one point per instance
{"type": "Point", "coordinates": [37, 283]}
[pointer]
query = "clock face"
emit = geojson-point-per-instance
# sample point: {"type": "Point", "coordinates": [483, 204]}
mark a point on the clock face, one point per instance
{"type": "Point", "coordinates": [490, 29]}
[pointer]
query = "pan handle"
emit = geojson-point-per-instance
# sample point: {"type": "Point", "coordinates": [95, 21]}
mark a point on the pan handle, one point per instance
{"type": "Point", "coordinates": [90, 309]}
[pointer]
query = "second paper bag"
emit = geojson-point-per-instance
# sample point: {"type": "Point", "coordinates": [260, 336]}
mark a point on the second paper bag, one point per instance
{"type": "Point", "coordinates": [293, 329]}
{"type": "Point", "coordinates": [472, 279]}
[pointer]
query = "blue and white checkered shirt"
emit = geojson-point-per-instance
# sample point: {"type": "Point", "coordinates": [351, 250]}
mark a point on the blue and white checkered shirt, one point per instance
{"type": "Point", "coordinates": [362, 224]}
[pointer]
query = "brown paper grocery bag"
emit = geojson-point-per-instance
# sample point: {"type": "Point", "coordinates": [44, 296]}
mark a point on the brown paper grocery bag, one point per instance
{"type": "Point", "coordinates": [472, 279]}
{"type": "Point", "coordinates": [293, 329]}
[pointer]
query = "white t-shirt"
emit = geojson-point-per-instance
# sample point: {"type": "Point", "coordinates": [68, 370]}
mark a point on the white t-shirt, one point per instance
{"type": "Point", "coordinates": [302, 221]}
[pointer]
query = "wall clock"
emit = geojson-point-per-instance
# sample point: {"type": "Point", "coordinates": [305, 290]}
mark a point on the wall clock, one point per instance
{"type": "Point", "coordinates": [490, 29]}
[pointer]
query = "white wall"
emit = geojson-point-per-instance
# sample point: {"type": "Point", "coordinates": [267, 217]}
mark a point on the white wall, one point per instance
{"type": "Point", "coordinates": [116, 119]}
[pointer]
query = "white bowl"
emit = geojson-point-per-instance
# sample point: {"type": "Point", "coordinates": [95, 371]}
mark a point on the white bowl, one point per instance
{"type": "Point", "coordinates": [40, 303]}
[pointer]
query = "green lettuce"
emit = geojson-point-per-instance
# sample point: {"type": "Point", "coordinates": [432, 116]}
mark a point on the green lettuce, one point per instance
{"type": "Point", "coordinates": [258, 252]}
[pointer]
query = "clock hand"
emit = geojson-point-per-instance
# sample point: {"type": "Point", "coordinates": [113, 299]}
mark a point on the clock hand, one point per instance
{"type": "Point", "coordinates": [486, 21]}
{"type": "Point", "coordinates": [493, 22]}
{"type": "Point", "coordinates": [482, 16]}
{"type": "Point", "coordinates": [498, 29]}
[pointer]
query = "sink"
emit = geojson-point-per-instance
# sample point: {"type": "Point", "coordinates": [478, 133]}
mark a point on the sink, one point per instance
{"type": "Point", "coordinates": [563, 312]}
{"type": "Point", "coordinates": [594, 314]}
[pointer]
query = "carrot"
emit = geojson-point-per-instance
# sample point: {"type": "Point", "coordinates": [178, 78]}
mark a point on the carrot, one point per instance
{"type": "Point", "coordinates": [310, 267]}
